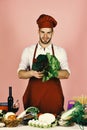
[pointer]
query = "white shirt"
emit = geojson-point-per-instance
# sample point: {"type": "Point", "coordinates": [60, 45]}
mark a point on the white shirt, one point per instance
{"type": "Point", "coordinates": [28, 53]}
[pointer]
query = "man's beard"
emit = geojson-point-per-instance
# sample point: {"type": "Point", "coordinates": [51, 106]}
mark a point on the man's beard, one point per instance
{"type": "Point", "coordinates": [44, 41]}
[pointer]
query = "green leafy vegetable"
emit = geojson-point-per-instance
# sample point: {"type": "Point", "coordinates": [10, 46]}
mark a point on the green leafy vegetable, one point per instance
{"type": "Point", "coordinates": [41, 63]}
{"type": "Point", "coordinates": [75, 114]}
{"type": "Point", "coordinates": [49, 64]}
{"type": "Point", "coordinates": [65, 122]}
{"type": "Point", "coordinates": [32, 110]}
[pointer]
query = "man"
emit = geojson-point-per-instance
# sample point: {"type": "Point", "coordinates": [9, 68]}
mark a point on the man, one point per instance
{"type": "Point", "coordinates": [47, 96]}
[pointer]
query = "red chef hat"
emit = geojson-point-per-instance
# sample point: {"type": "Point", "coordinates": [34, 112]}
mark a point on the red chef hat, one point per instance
{"type": "Point", "coordinates": [46, 21]}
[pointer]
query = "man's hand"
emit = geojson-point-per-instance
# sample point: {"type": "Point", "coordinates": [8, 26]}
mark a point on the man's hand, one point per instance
{"type": "Point", "coordinates": [23, 74]}
{"type": "Point", "coordinates": [36, 74]}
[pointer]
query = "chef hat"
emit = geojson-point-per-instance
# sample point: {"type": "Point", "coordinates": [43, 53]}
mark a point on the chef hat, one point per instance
{"type": "Point", "coordinates": [46, 21]}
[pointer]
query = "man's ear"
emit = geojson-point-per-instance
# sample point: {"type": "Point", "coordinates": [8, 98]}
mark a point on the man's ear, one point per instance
{"type": "Point", "coordinates": [52, 32]}
{"type": "Point", "coordinates": [38, 31]}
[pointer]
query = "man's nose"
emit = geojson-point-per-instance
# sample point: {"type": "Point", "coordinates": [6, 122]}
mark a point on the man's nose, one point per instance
{"type": "Point", "coordinates": [45, 35]}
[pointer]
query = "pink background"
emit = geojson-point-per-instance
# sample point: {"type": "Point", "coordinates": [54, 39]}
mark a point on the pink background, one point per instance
{"type": "Point", "coordinates": [18, 29]}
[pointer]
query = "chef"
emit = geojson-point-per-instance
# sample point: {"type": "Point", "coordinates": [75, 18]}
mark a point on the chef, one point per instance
{"type": "Point", "coordinates": [47, 96]}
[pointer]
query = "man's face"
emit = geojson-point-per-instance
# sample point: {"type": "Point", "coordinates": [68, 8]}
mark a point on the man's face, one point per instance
{"type": "Point", "coordinates": [45, 35]}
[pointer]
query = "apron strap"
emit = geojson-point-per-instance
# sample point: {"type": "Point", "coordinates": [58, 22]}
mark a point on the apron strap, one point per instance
{"type": "Point", "coordinates": [53, 50]}
{"type": "Point", "coordinates": [36, 50]}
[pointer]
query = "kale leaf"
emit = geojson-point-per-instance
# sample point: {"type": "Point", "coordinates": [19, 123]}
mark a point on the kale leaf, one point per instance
{"type": "Point", "coordinates": [49, 64]}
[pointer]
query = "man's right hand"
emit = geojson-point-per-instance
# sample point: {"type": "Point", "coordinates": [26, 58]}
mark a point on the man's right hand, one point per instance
{"type": "Point", "coordinates": [23, 74]}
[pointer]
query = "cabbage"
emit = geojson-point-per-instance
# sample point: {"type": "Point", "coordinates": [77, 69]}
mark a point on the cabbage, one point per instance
{"type": "Point", "coordinates": [74, 115]}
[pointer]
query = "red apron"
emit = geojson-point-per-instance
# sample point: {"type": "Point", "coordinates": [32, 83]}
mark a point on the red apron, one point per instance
{"type": "Point", "coordinates": [46, 96]}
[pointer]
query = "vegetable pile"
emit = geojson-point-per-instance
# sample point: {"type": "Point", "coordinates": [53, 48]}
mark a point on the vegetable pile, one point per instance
{"type": "Point", "coordinates": [32, 117]}
{"type": "Point", "coordinates": [48, 64]}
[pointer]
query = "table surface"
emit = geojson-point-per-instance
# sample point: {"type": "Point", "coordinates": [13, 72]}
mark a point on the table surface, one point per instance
{"type": "Point", "coordinates": [21, 127]}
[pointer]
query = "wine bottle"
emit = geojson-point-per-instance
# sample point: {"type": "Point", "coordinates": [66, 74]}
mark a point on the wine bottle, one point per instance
{"type": "Point", "coordinates": [10, 99]}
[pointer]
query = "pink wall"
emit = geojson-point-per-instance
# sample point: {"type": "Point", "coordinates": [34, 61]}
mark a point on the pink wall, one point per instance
{"type": "Point", "coordinates": [18, 29]}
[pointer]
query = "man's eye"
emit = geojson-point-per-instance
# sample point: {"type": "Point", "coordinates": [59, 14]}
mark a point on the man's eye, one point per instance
{"type": "Point", "coordinates": [42, 31]}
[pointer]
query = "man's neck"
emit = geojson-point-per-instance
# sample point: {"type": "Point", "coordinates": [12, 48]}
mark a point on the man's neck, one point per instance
{"type": "Point", "coordinates": [44, 45]}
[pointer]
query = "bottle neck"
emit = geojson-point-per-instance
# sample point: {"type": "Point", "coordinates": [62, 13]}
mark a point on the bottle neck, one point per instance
{"type": "Point", "coordinates": [10, 91]}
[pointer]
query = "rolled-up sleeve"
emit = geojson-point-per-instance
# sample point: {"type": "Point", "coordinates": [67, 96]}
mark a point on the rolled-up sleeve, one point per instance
{"type": "Point", "coordinates": [62, 57]}
{"type": "Point", "coordinates": [24, 63]}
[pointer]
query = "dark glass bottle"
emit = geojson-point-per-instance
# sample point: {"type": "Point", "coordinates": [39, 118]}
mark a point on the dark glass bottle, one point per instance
{"type": "Point", "coordinates": [10, 100]}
